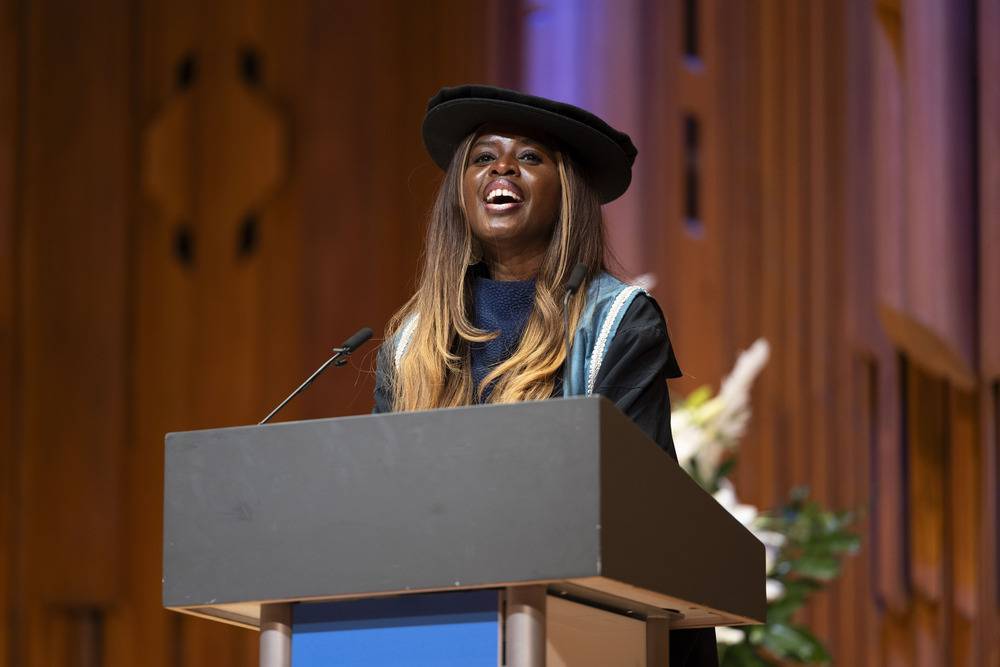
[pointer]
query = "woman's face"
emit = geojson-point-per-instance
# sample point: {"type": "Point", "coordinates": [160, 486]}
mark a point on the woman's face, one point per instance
{"type": "Point", "coordinates": [512, 192]}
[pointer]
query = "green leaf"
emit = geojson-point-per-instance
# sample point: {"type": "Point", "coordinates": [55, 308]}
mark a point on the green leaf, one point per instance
{"type": "Point", "coordinates": [823, 568]}
{"type": "Point", "coordinates": [742, 655]}
{"type": "Point", "coordinates": [801, 587]}
{"type": "Point", "coordinates": [795, 642]}
{"type": "Point", "coordinates": [726, 468]}
{"type": "Point", "coordinates": [780, 611]}
{"type": "Point", "coordinates": [835, 543]}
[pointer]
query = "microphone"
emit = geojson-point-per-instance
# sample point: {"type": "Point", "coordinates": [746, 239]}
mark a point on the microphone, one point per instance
{"type": "Point", "coordinates": [576, 277]}
{"type": "Point", "coordinates": [339, 358]}
{"type": "Point", "coordinates": [354, 342]}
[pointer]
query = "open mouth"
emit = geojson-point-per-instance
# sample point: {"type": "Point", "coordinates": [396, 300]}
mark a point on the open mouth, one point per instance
{"type": "Point", "coordinates": [502, 195]}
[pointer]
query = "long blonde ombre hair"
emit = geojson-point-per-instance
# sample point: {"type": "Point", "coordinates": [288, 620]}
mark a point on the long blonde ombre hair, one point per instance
{"type": "Point", "coordinates": [435, 370]}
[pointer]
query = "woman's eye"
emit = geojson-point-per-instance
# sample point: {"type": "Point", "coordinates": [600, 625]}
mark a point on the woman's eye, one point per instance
{"type": "Point", "coordinates": [482, 158]}
{"type": "Point", "coordinates": [531, 157]}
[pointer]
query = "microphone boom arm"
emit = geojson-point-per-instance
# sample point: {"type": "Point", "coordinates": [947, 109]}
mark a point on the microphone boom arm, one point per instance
{"type": "Point", "coordinates": [339, 358]}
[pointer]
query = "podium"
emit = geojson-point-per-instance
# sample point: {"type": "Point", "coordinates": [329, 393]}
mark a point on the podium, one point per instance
{"type": "Point", "coordinates": [551, 532]}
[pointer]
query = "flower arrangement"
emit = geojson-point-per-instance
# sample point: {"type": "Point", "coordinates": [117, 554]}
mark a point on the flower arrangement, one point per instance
{"type": "Point", "coordinates": [804, 542]}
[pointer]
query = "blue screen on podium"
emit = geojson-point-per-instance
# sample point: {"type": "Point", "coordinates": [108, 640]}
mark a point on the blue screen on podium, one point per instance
{"type": "Point", "coordinates": [460, 628]}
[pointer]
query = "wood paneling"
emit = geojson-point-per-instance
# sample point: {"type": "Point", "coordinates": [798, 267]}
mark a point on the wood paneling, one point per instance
{"type": "Point", "coordinates": [928, 294]}
{"type": "Point", "coordinates": [10, 43]}
{"type": "Point", "coordinates": [988, 22]}
{"type": "Point", "coordinates": [883, 248]}
{"type": "Point", "coordinates": [926, 420]}
{"type": "Point", "coordinates": [817, 223]}
{"type": "Point", "coordinates": [688, 287]}
{"type": "Point", "coordinates": [209, 198]}
{"type": "Point", "coordinates": [72, 321]}
{"type": "Point", "coordinates": [963, 539]}
{"type": "Point", "coordinates": [988, 582]}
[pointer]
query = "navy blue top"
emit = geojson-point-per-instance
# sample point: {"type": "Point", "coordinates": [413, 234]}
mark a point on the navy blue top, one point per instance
{"type": "Point", "coordinates": [498, 305]}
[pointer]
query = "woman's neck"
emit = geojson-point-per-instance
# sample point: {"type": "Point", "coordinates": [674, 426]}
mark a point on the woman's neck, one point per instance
{"type": "Point", "coordinates": [524, 266]}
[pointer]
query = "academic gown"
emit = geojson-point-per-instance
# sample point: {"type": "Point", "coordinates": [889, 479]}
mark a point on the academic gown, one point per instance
{"type": "Point", "coordinates": [633, 376]}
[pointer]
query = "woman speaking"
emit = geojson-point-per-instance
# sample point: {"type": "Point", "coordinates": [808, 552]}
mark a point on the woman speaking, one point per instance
{"type": "Point", "coordinates": [518, 210]}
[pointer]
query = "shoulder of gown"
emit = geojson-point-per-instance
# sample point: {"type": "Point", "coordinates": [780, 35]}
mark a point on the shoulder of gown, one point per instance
{"type": "Point", "coordinates": [636, 367]}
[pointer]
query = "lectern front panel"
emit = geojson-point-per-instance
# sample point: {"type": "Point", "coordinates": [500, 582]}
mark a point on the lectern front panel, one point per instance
{"type": "Point", "coordinates": [360, 505]}
{"type": "Point", "coordinates": [456, 629]}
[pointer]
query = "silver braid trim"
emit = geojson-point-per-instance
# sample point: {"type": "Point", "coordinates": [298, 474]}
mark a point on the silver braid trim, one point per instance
{"type": "Point", "coordinates": [405, 335]}
{"type": "Point", "coordinates": [601, 344]}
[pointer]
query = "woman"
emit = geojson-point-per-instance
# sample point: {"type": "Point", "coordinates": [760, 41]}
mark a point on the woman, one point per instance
{"type": "Point", "coordinates": [519, 208]}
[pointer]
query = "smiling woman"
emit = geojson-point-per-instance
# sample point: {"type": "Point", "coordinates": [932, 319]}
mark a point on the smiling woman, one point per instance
{"type": "Point", "coordinates": [518, 209]}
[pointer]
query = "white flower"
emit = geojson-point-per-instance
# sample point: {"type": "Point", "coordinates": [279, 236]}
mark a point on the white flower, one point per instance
{"type": "Point", "coordinates": [774, 589]}
{"type": "Point", "coordinates": [747, 515]}
{"type": "Point", "coordinates": [724, 635]}
{"type": "Point", "coordinates": [772, 545]}
{"type": "Point", "coordinates": [734, 395]}
{"type": "Point", "coordinates": [705, 429]}
{"type": "Point", "coordinates": [687, 436]}
{"type": "Point", "coordinates": [705, 432]}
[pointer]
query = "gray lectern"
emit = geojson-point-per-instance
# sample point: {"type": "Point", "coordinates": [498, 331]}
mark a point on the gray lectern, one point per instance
{"type": "Point", "coordinates": [550, 532]}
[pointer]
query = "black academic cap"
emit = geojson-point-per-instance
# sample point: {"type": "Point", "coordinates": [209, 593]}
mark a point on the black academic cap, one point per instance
{"type": "Point", "coordinates": [605, 154]}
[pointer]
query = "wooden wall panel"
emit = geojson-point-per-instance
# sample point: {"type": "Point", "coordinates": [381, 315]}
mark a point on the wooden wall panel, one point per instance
{"type": "Point", "coordinates": [170, 66]}
{"type": "Point", "coordinates": [736, 28]}
{"type": "Point", "coordinates": [772, 414]}
{"type": "Point", "coordinates": [737, 25]}
{"type": "Point", "coordinates": [10, 43]}
{"type": "Point", "coordinates": [337, 239]}
{"type": "Point", "coordinates": [830, 381]}
{"type": "Point", "coordinates": [207, 316]}
{"type": "Point", "coordinates": [925, 216]}
{"type": "Point", "coordinates": [885, 244]}
{"type": "Point", "coordinates": [988, 27]}
{"type": "Point", "coordinates": [73, 306]}
{"type": "Point", "coordinates": [661, 128]}
{"type": "Point", "coordinates": [965, 506]}
{"type": "Point", "coordinates": [930, 310]}
{"type": "Point", "coordinates": [689, 259]}
{"type": "Point", "coordinates": [871, 453]}
{"type": "Point", "coordinates": [988, 21]}
{"type": "Point", "coordinates": [927, 424]}
{"type": "Point", "coordinates": [803, 262]}
{"type": "Point", "coordinates": [861, 410]}
{"type": "Point", "coordinates": [859, 630]}
{"type": "Point", "coordinates": [138, 298]}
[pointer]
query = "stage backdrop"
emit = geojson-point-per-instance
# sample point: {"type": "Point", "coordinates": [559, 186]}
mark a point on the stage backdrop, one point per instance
{"type": "Point", "coordinates": [198, 200]}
